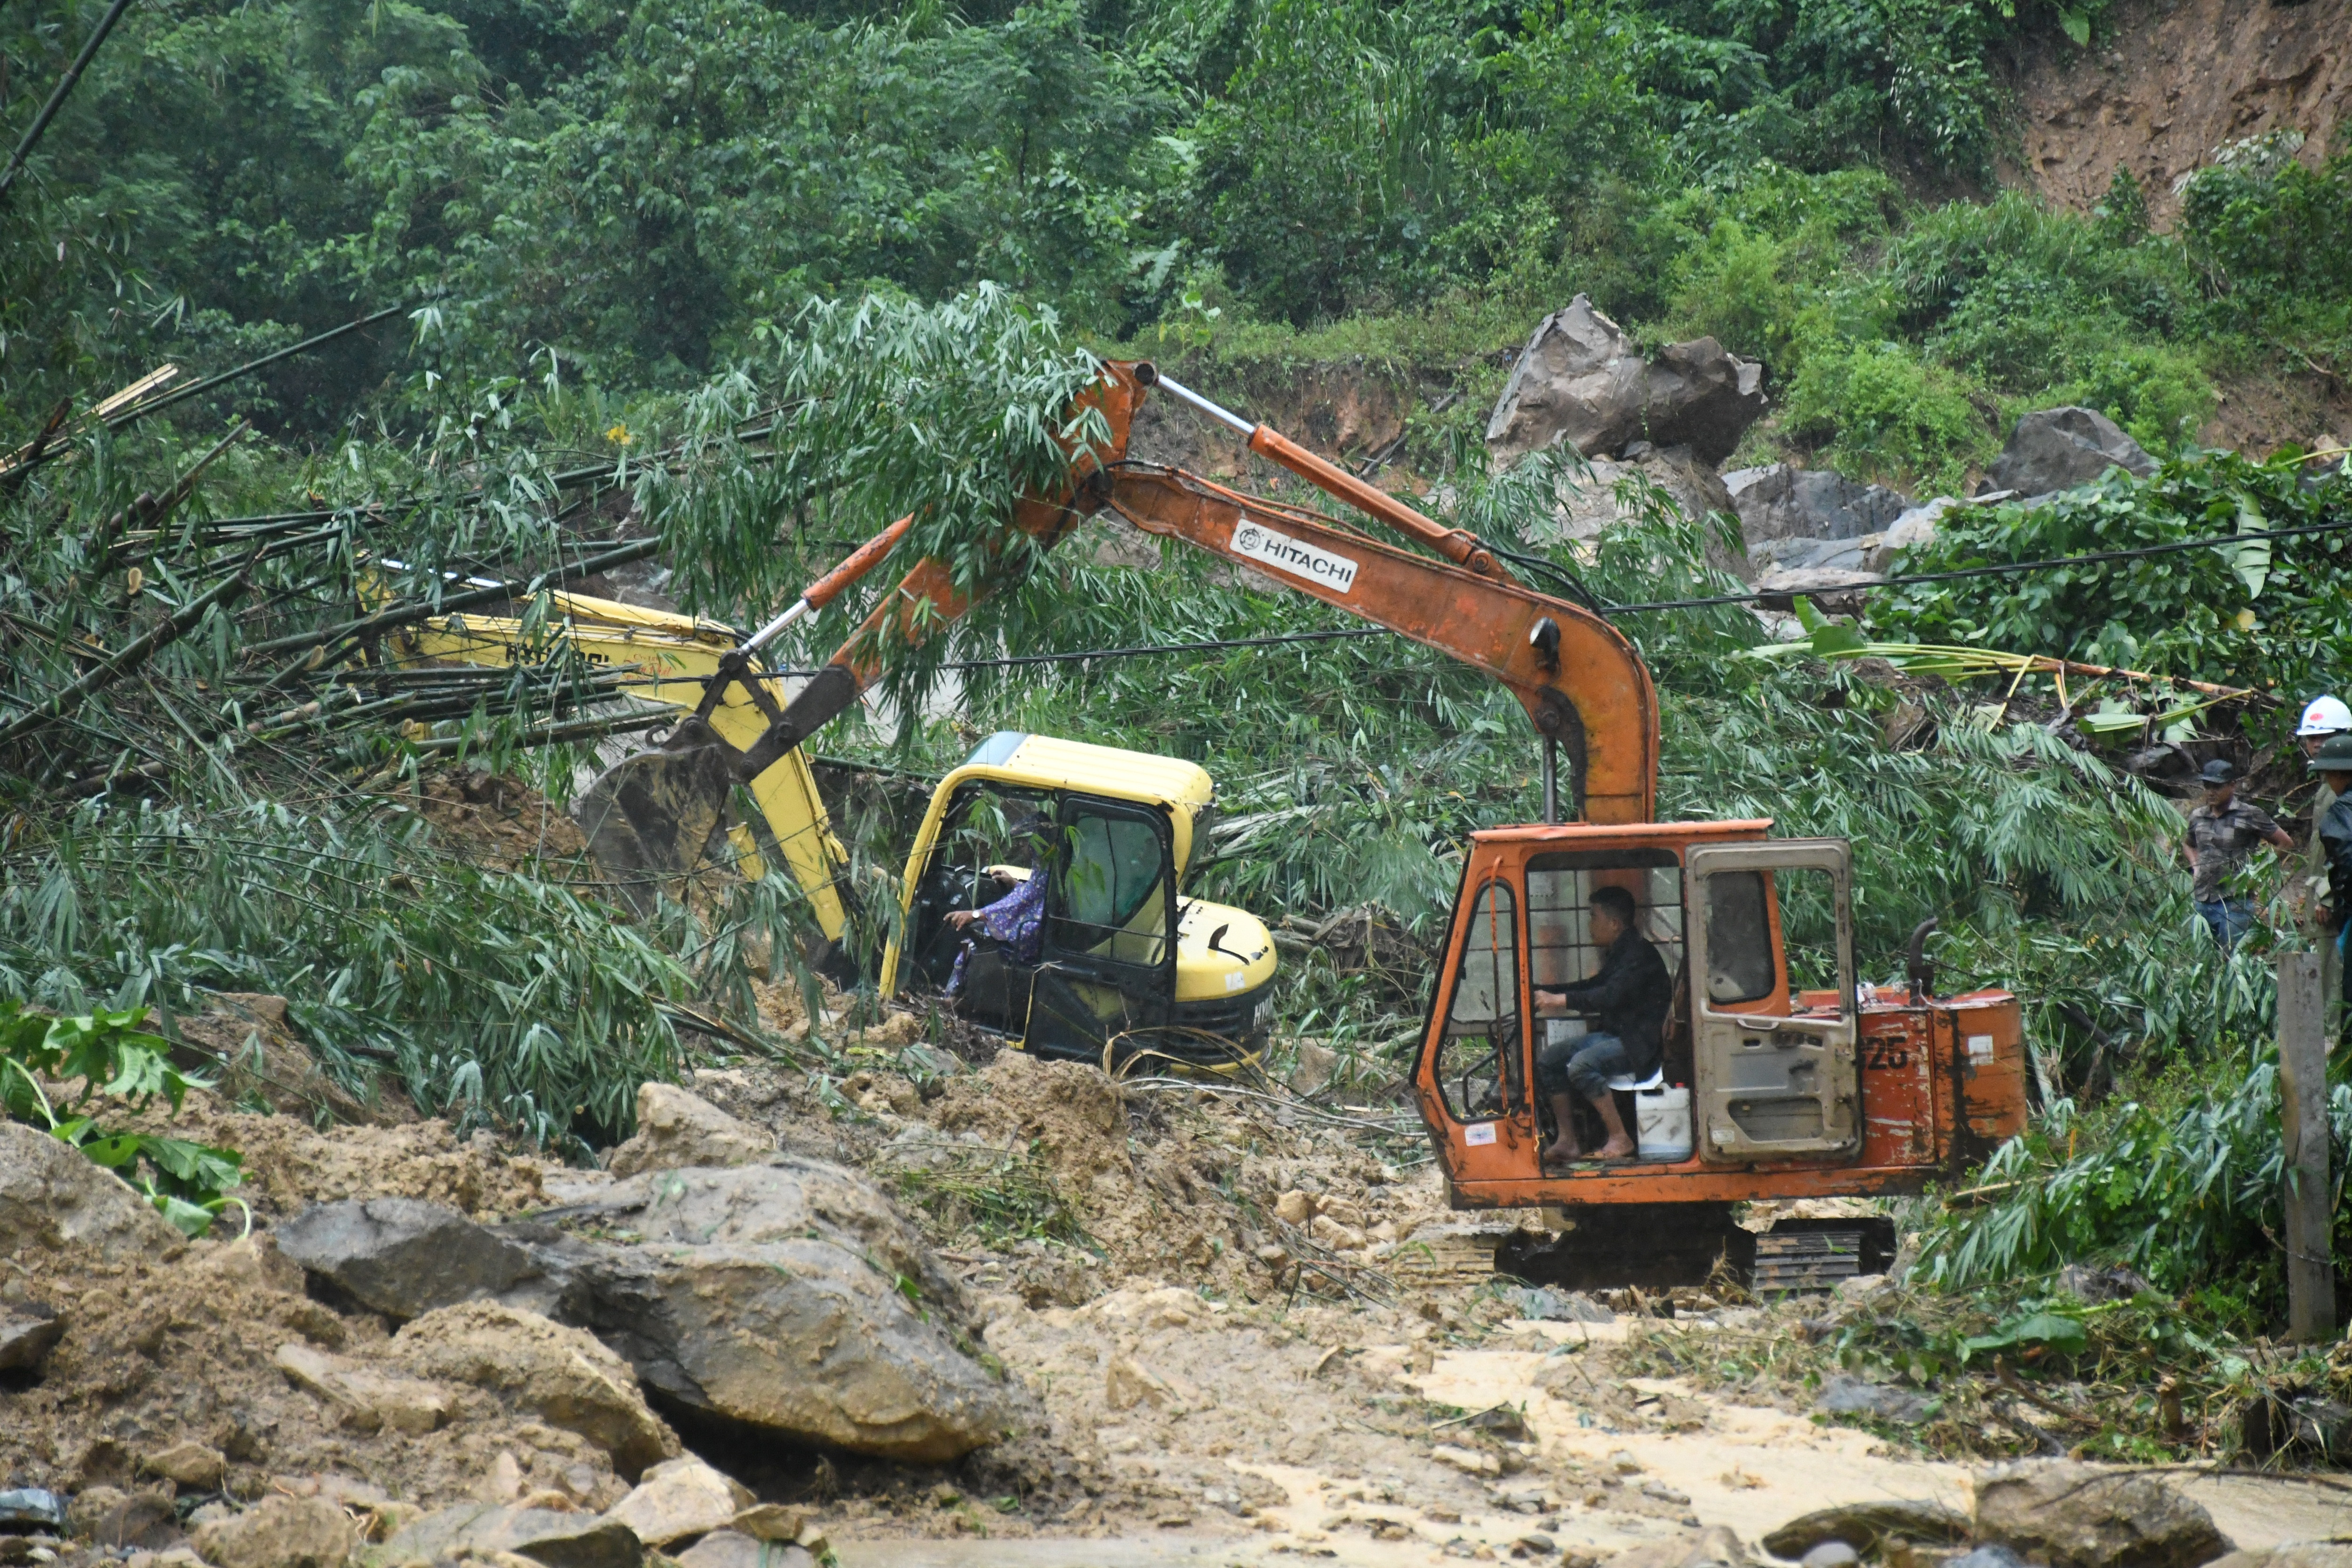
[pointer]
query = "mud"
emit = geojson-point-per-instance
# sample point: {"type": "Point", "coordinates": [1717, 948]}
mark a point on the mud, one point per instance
{"type": "Point", "coordinates": [2180, 80]}
{"type": "Point", "coordinates": [499, 823]}
{"type": "Point", "coordinates": [1134, 1253]}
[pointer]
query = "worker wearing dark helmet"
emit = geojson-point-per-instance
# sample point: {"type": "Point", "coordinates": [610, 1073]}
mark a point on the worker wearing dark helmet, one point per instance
{"type": "Point", "coordinates": [2332, 763]}
{"type": "Point", "coordinates": [2222, 832]}
{"type": "Point", "coordinates": [1627, 999]}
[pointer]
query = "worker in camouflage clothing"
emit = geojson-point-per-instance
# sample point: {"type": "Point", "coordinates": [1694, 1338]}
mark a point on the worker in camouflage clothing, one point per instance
{"type": "Point", "coordinates": [2224, 833]}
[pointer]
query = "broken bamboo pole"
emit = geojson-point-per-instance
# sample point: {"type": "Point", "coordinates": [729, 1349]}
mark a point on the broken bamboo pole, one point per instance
{"type": "Point", "coordinates": [134, 654]}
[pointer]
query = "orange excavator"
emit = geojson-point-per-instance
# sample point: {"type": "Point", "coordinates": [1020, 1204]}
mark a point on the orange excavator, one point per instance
{"type": "Point", "coordinates": [1785, 1076]}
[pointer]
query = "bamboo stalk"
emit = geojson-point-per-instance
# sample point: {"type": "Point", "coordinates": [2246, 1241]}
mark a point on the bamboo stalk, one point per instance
{"type": "Point", "coordinates": [134, 654]}
{"type": "Point", "coordinates": [400, 616]}
{"type": "Point", "coordinates": [549, 735]}
{"type": "Point", "coordinates": [34, 132]}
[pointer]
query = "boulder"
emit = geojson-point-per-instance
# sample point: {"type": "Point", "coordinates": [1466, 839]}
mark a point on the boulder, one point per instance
{"type": "Point", "coordinates": [680, 1499]}
{"type": "Point", "coordinates": [1587, 505]}
{"type": "Point", "coordinates": [1713, 1548]}
{"type": "Point", "coordinates": [197, 1466]}
{"type": "Point", "coordinates": [2071, 1515]}
{"type": "Point", "coordinates": [278, 1533]}
{"type": "Point", "coordinates": [1866, 1525]}
{"type": "Point", "coordinates": [789, 1295]}
{"type": "Point", "coordinates": [1780, 501]}
{"type": "Point", "coordinates": [1542, 1304]}
{"type": "Point", "coordinates": [31, 1508]}
{"type": "Point", "coordinates": [675, 1128]}
{"type": "Point", "coordinates": [1914, 529]}
{"type": "Point", "coordinates": [1831, 1554]}
{"type": "Point", "coordinates": [557, 1539]}
{"type": "Point", "coordinates": [2057, 448]}
{"type": "Point", "coordinates": [563, 1375]}
{"type": "Point", "coordinates": [28, 1333]}
{"type": "Point", "coordinates": [404, 1256]}
{"type": "Point", "coordinates": [777, 1521]}
{"type": "Point", "coordinates": [1831, 588]}
{"type": "Point", "coordinates": [53, 1197]}
{"type": "Point", "coordinates": [365, 1398]}
{"type": "Point", "coordinates": [1581, 381]}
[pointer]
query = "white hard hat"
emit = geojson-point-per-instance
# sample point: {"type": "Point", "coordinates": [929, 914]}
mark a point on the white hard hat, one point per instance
{"type": "Point", "coordinates": [2325, 716]}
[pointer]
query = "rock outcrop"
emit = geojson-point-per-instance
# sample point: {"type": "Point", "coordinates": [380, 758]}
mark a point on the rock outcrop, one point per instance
{"type": "Point", "coordinates": [2054, 449]}
{"type": "Point", "coordinates": [1581, 381]}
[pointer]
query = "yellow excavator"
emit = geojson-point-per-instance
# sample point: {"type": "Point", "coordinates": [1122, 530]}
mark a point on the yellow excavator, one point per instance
{"type": "Point", "coordinates": [1125, 826]}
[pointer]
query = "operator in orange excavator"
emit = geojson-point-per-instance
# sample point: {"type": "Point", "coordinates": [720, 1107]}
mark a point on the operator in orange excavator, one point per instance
{"type": "Point", "coordinates": [1627, 999]}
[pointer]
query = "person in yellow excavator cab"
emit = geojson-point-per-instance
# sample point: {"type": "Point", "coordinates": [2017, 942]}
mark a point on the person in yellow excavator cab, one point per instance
{"type": "Point", "coordinates": [1016, 921]}
{"type": "Point", "coordinates": [1627, 1000]}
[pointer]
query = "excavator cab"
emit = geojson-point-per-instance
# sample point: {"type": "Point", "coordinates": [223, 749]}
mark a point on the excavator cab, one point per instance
{"type": "Point", "coordinates": [1781, 1075]}
{"type": "Point", "coordinates": [1125, 971]}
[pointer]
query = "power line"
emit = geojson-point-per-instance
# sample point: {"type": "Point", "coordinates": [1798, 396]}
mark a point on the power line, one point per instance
{"type": "Point", "coordinates": [2046, 564]}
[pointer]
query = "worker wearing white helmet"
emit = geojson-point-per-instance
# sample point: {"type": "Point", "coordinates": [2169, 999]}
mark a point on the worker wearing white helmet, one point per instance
{"type": "Point", "coordinates": [2324, 718]}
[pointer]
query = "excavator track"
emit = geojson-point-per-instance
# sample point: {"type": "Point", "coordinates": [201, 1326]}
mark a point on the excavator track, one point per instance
{"type": "Point", "coordinates": [1657, 1247]}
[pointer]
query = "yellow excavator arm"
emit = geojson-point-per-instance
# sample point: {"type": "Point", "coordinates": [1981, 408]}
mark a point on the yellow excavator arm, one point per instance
{"type": "Point", "coordinates": [675, 655]}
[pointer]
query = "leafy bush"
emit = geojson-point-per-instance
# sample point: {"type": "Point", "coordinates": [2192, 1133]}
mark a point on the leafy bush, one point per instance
{"type": "Point", "coordinates": [1886, 412]}
{"type": "Point", "coordinates": [2181, 1184]}
{"type": "Point", "coordinates": [2273, 614]}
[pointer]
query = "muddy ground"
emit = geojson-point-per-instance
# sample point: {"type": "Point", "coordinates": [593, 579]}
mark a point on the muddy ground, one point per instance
{"type": "Point", "coordinates": [1252, 1329]}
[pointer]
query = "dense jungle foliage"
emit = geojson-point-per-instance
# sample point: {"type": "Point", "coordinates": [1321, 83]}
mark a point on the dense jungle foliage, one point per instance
{"type": "Point", "coordinates": [758, 276]}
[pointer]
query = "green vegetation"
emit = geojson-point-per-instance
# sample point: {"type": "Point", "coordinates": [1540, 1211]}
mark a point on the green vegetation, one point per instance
{"type": "Point", "coordinates": [114, 1060]}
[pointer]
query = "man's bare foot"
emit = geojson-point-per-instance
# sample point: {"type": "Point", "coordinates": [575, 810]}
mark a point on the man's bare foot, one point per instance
{"type": "Point", "coordinates": [1561, 1153]}
{"type": "Point", "coordinates": [1615, 1148]}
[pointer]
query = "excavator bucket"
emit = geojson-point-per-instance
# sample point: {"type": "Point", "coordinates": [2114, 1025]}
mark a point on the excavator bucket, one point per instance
{"type": "Point", "coordinates": [650, 818]}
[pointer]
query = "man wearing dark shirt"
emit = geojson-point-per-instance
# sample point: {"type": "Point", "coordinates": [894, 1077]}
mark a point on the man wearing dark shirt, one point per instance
{"type": "Point", "coordinates": [1628, 1000]}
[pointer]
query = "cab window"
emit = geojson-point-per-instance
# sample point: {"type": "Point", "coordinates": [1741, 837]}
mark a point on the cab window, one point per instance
{"type": "Point", "coordinates": [1478, 1057]}
{"type": "Point", "coordinates": [1109, 882]}
{"type": "Point", "coordinates": [1738, 939]}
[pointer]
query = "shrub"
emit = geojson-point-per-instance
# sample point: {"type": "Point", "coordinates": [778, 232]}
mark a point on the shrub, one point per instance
{"type": "Point", "coordinates": [1887, 413]}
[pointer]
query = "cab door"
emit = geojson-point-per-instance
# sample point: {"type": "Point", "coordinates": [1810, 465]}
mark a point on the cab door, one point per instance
{"type": "Point", "coordinates": [1109, 964]}
{"type": "Point", "coordinates": [1770, 1084]}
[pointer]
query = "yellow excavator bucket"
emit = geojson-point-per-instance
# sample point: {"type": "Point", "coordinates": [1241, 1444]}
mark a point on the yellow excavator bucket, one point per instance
{"type": "Point", "coordinates": [674, 655]}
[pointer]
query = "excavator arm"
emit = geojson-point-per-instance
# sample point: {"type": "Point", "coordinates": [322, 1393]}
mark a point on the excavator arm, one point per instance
{"type": "Point", "coordinates": [1583, 684]}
